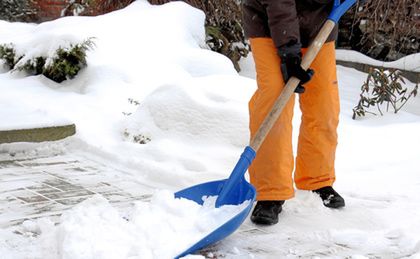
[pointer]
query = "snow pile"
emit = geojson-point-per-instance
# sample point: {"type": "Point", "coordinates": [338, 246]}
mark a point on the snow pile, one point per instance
{"type": "Point", "coordinates": [188, 95]}
{"type": "Point", "coordinates": [200, 110]}
{"type": "Point", "coordinates": [163, 228]}
{"type": "Point", "coordinates": [409, 63]}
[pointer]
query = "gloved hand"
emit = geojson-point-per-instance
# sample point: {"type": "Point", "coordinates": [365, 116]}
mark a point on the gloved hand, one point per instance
{"type": "Point", "coordinates": [291, 57]}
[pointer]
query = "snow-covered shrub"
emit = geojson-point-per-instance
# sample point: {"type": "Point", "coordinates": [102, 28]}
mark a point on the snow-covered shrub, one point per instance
{"type": "Point", "coordinates": [383, 88]}
{"type": "Point", "coordinates": [33, 66]}
{"type": "Point", "coordinates": [8, 55]}
{"type": "Point", "coordinates": [131, 136]}
{"type": "Point", "coordinates": [64, 64]}
{"type": "Point", "coordinates": [68, 61]}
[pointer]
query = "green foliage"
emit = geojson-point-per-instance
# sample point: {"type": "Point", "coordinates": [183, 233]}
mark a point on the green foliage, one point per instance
{"type": "Point", "coordinates": [33, 66]}
{"type": "Point", "coordinates": [65, 64]}
{"type": "Point", "coordinates": [68, 62]}
{"type": "Point", "coordinates": [383, 88]}
{"type": "Point", "coordinates": [8, 55]}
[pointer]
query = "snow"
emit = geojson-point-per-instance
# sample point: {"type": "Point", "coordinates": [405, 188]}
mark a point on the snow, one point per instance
{"type": "Point", "coordinates": [408, 63]}
{"type": "Point", "coordinates": [192, 112]}
{"type": "Point", "coordinates": [96, 229]}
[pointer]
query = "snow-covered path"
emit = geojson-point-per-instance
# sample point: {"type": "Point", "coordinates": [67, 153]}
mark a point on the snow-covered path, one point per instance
{"type": "Point", "coordinates": [43, 180]}
{"type": "Point", "coordinates": [378, 222]}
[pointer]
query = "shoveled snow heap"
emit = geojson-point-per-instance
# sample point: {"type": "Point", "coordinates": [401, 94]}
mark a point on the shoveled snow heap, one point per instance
{"type": "Point", "coordinates": [162, 228]}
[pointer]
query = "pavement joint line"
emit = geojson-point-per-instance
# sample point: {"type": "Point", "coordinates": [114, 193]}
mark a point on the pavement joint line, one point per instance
{"type": "Point", "coordinates": [53, 187]}
{"type": "Point", "coordinates": [74, 197]}
{"type": "Point", "coordinates": [37, 194]}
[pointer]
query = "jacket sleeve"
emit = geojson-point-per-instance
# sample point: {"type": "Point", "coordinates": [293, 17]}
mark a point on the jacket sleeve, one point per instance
{"type": "Point", "coordinates": [283, 21]}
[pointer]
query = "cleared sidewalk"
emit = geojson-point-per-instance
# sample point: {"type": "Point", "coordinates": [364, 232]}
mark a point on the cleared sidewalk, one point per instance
{"type": "Point", "coordinates": [34, 187]}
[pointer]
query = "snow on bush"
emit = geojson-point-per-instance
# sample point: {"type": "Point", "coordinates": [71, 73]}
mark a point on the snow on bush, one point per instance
{"type": "Point", "coordinates": [59, 60]}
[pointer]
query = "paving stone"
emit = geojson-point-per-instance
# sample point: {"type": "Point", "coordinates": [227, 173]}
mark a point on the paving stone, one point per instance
{"type": "Point", "coordinates": [54, 182]}
{"type": "Point", "coordinates": [69, 187]}
{"type": "Point", "coordinates": [45, 186]}
{"type": "Point", "coordinates": [43, 189]}
{"type": "Point", "coordinates": [8, 201]}
{"type": "Point", "coordinates": [77, 169]}
{"type": "Point", "coordinates": [48, 191]}
{"type": "Point", "coordinates": [73, 200]}
{"type": "Point", "coordinates": [22, 176]}
{"type": "Point", "coordinates": [62, 195]}
{"type": "Point", "coordinates": [32, 198]}
{"type": "Point", "coordinates": [30, 211]}
{"type": "Point", "coordinates": [104, 189]}
{"type": "Point", "coordinates": [9, 164]}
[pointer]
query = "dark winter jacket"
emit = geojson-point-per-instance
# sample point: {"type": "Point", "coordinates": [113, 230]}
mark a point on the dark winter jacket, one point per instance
{"type": "Point", "coordinates": [286, 20]}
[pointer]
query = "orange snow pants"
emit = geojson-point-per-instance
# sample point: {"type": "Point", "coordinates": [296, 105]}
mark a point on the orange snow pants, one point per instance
{"type": "Point", "coordinates": [271, 171]}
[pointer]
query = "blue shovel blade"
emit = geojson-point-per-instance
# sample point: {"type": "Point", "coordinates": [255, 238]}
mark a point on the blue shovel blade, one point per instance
{"type": "Point", "coordinates": [245, 191]}
{"type": "Point", "coordinates": [232, 191]}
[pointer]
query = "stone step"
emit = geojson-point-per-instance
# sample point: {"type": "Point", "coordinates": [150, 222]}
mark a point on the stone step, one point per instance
{"type": "Point", "coordinates": [37, 134]}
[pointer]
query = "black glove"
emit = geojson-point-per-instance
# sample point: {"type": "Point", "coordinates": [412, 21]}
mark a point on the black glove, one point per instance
{"type": "Point", "coordinates": [291, 57]}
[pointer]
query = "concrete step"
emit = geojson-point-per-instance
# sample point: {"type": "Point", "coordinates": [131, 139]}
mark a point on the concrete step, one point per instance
{"type": "Point", "coordinates": [37, 134]}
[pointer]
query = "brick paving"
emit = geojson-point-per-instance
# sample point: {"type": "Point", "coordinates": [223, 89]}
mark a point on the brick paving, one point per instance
{"type": "Point", "coordinates": [46, 186]}
{"type": "Point", "coordinates": [34, 186]}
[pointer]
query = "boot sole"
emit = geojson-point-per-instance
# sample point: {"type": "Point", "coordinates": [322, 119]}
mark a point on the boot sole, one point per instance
{"type": "Point", "coordinates": [264, 221]}
{"type": "Point", "coordinates": [336, 205]}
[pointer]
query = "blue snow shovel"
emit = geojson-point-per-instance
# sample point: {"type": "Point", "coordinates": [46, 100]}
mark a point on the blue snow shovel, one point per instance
{"type": "Point", "coordinates": [236, 189]}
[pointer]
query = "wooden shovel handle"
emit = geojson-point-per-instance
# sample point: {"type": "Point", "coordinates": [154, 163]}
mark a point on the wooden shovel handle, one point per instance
{"type": "Point", "coordinates": [289, 89]}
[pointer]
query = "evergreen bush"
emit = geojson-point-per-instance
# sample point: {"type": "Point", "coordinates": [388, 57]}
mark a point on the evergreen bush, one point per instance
{"type": "Point", "coordinates": [68, 62]}
{"type": "Point", "coordinates": [8, 55]}
{"type": "Point", "coordinates": [65, 64]}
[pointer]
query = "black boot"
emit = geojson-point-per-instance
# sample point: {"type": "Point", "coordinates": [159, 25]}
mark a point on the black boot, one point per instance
{"type": "Point", "coordinates": [266, 212]}
{"type": "Point", "coordinates": [330, 197]}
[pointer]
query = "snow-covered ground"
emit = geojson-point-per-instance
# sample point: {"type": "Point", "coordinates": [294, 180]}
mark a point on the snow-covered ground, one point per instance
{"type": "Point", "coordinates": [409, 63]}
{"type": "Point", "coordinates": [192, 114]}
